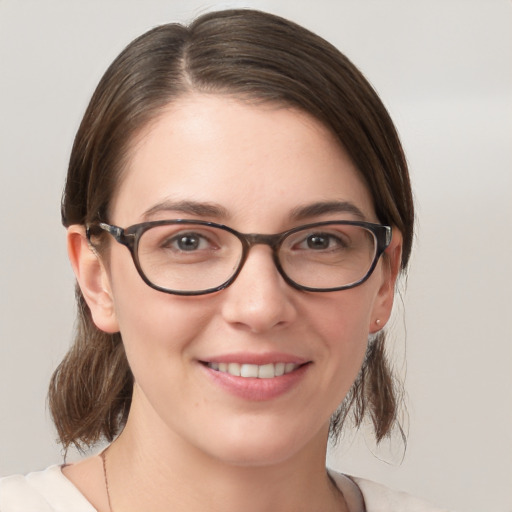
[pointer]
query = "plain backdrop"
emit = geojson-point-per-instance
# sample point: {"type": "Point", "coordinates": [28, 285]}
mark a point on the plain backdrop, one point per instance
{"type": "Point", "coordinates": [444, 70]}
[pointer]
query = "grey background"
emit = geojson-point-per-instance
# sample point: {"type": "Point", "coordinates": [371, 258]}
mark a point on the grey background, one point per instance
{"type": "Point", "coordinates": [443, 68]}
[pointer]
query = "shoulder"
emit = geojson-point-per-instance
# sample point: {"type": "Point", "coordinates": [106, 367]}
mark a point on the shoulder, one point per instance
{"type": "Point", "coordinates": [379, 498]}
{"type": "Point", "coordinates": [41, 491]}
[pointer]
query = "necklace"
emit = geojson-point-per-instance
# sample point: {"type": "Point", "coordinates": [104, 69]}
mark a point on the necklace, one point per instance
{"type": "Point", "coordinates": [104, 461]}
{"type": "Point", "coordinates": [103, 456]}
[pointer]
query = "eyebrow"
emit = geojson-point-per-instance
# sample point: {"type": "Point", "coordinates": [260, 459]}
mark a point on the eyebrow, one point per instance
{"type": "Point", "coordinates": [326, 207]}
{"type": "Point", "coordinates": [199, 209]}
{"type": "Point", "coordinates": [214, 210]}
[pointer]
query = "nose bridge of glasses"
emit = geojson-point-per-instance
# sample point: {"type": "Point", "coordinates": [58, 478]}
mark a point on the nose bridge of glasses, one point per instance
{"type": "Point", "coordinates": [251, 239]}
{"type": "Point", "coordinates": [258, 239]}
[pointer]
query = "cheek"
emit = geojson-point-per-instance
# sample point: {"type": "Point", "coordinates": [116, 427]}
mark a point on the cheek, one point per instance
{"type": "Point", "coordinates": [153, 325]}
{"type": "Point", "coordinates": [342, 321]}
{"type": "Point", "coordinates": [343, 316]}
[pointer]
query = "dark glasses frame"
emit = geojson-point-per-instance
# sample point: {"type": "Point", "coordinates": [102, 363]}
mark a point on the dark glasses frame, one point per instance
{"type": "Point", "coordinates": [131, 235]}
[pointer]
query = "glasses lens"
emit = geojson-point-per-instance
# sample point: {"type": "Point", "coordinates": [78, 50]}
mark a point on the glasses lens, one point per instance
{"type": "Point", "coordinates": [328, 256]}
{"type": "Point", "coordinates": [188, 257]}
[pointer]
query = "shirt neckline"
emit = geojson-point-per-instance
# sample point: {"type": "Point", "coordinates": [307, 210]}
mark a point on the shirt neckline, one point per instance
{"type": "Point", "coordinates": [70, 496]}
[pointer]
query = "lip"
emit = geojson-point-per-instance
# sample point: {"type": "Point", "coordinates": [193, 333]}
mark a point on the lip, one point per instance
{"type": "Point", "coordinates": [255, 389]}
{"type": "Point", "coordinates": [254, 358]}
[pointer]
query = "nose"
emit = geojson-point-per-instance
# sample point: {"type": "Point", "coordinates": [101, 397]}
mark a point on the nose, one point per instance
{"type": "Point", "coordinates": [259, 299]}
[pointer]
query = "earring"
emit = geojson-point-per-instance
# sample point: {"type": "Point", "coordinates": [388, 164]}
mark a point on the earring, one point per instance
{"type": "Point", "coordinates": [378, 321]}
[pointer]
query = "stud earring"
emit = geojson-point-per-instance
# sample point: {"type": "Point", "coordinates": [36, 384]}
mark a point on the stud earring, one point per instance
{"type": "Point", "coordinates": [378, 321]}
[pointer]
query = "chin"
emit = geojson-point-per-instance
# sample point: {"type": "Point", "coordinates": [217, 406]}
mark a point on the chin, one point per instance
{"type": "Point", "coordinates": [265, 447]}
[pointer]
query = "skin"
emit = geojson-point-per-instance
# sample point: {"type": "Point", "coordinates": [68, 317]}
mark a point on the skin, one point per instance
{"type": "Point", "coordinates": [189, 444]}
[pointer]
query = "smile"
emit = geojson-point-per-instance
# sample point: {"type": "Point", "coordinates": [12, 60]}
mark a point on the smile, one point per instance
{"type": "Point", "coordinates": [265, 371]}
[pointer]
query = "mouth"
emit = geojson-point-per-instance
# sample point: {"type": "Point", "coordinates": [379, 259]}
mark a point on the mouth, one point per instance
{"type": "Point", "coordinates": [256, 377]}
{"type": "Point", "coordinates": [255, 371]}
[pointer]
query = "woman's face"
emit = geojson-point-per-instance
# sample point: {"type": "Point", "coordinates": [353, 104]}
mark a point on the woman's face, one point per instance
{"type": "Point", "coordinates": [252, 168]}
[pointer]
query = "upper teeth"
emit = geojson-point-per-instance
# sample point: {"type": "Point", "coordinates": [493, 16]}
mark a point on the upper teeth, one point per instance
{"type": "Point", "coordinates": [264, 371]}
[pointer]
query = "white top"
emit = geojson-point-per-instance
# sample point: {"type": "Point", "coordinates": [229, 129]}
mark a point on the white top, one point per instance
{"type": "Point", "coordinates": [51, 491]}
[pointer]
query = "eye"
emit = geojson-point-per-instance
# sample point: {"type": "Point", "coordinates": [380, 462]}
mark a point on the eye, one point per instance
{"type": "Point", "coordinates": [321, 242]}
{"type": "Point", "coordinates": [318, 241]}
{"type": "Point", "coordinates": [187, 242]}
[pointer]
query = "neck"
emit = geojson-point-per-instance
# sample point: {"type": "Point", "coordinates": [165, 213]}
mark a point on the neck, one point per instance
{"type": "Point", "coordinates": [159, 471]}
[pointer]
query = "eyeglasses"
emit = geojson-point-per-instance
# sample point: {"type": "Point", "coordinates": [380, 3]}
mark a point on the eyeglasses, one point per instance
{"type": "Point", "coordinates": [193, 257]}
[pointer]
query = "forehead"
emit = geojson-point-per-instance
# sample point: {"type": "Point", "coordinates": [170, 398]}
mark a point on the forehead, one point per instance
{"type": "Point", "coordinates": [257, 162]}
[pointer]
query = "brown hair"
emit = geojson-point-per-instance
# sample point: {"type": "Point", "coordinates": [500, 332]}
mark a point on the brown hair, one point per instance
{"type": "Point", "coordinates": [247, 54]}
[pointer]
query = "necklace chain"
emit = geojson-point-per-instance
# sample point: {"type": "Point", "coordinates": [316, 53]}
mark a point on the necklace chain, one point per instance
{"type": "Point", "coordinates": [103, 456]}
{"type": "Point", "coordinates": [104, 460]}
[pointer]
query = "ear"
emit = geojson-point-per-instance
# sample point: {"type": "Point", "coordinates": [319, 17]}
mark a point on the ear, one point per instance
{"type": "Point", "coordinates": [390, 263]}
{"type": "Point", "coordinates": [92, 278]}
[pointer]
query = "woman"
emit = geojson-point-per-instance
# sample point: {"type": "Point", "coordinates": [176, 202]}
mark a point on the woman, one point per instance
{"type": "Point", "coordinates": [263, 199]}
